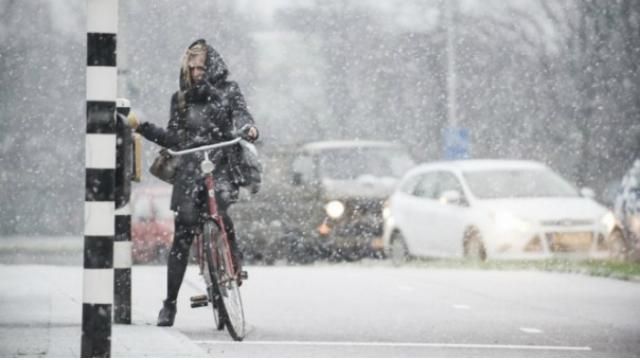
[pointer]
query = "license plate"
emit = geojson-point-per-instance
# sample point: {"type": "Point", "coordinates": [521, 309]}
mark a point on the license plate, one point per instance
{"type": "Point", "coordinates": [579, 241]}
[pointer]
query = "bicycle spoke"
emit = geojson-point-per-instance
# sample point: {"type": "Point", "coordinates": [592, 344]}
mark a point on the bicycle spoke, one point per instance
{"type": "Point", "coordinates": [231, 297]}
{"type": "Point", "coordinates": [224, 291]}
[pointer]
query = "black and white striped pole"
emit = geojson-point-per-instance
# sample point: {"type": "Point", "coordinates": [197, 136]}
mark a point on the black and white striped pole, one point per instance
{"type": "Point", "coordinates": [100, 161]}
{"type": "Point", "coordinates": [122, 240]}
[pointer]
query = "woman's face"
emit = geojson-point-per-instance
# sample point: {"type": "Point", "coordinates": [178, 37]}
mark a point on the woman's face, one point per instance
{"type": "Point", "coordinates": [196, 67]}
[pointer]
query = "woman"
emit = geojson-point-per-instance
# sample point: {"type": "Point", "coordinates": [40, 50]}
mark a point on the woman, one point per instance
{"type": "Point", "coordinates": [206, 110]}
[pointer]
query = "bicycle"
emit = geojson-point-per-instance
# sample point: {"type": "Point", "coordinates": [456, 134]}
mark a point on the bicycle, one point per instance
{"type": "Point", "coordinates": [213, 255]}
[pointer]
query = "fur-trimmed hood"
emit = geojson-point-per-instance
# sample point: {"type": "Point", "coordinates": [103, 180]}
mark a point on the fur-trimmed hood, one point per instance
{"type": "Point", "coordinates": [217, 70]}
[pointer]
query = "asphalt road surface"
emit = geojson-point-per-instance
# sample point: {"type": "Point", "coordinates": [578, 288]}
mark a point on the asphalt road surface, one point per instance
{"type": "Point", "coordinates": [356, 310]}
{"type": "Point", "coordinates": [364, 310]}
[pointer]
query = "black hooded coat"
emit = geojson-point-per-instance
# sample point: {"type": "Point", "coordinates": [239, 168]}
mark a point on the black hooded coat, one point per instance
{"type": "Point", "coordinates": [206, 113]}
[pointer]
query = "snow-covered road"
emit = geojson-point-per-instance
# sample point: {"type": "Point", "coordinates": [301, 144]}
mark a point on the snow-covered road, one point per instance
{"type": "Point", "coordinates": [348, 310]}
{"type": "Point", "coordinates": [352, 310]}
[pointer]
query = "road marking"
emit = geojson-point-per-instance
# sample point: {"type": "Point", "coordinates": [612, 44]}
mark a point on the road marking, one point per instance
{"type": "Point", "coordinates": [461, 307]}
{"type": "Point", "coordinates": [400, 344]}
{"type": "Point", "coordinates": [531, 330]}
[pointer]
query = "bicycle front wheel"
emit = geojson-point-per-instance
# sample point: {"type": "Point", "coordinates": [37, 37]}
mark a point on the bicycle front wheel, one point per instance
{"type": "Point", "coordinates": [210, 230]}
{"type": "Point", "coordinates": [230, 307]}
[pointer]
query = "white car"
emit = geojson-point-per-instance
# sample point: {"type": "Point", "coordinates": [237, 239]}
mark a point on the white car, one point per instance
{"type": "Point", "coordinates": [495, 209]}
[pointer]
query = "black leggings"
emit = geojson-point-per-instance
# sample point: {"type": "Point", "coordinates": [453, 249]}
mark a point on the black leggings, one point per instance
{"type": "Point", "coordinates": [185, 228]}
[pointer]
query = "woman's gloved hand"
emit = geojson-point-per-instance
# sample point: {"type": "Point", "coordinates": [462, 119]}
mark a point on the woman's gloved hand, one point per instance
{"type": "Point", "coordinates": [252, 133]}
{"type": "Point", "coordinates": [249, 133]}
{"type": "Point", "coordinates": [133, 121]}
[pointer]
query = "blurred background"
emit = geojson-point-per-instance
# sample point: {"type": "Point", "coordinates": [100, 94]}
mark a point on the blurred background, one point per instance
{"type": "Point", "coordinates": [554, 81]}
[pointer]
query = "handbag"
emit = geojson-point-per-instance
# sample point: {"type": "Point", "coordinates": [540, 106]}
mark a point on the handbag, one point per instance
{"type": "Point", "coordinates": [249, 167]}
{"type": "Point", "coordinates": [164, 166]}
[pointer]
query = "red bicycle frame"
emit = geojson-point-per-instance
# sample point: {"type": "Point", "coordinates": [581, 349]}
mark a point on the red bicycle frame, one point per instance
{"type": "Point", "coordinates": [207, 169]}
{"type": "Point", "coordinates": [222, 285]}
{"type": "Point", "coordinates": [213, 212]}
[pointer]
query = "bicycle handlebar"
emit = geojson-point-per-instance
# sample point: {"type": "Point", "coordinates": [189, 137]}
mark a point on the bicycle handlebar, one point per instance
{"type": "Point", "coordinates": [204, 148]}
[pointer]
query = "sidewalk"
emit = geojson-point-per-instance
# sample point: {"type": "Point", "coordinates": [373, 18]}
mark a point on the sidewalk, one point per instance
{"type": "Point", "coordinates": [63, 341]}
{"type": "Point", "coordinates": [41, 314]}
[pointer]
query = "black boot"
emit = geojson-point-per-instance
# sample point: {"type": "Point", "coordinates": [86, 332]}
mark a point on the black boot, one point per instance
{"type": "Point", "coordinates": [167, 313]}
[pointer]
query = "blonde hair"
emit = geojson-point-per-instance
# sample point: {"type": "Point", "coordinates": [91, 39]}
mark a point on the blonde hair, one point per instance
{"type": "Point", "coordinates": [195, 50]}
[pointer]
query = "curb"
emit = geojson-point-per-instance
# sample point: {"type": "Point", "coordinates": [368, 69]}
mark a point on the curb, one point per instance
{"type": "Point", "coordinates": [152, 341]}
{"type": "Point", "coordinates": [41, 244]}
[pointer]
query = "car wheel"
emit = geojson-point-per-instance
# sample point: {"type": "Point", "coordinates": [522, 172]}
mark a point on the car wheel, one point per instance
{"type": "Point", "coordinates": [399, 250]}
{"type": "Point", "coordinates": [269, 259]}
{"type": "Point", "coordinates": [473, 247]}
{"type": "Point", "coordinates": [617, 246]}
{"type": "Point", "coordinates": [351, 255]}
{"type": "Point", "coordinates": [378, 255]}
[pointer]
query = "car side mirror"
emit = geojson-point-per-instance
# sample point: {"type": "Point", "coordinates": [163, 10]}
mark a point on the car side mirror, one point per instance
{"type": "Point", "coordinates": [588, 193]}
{"type": "Point", "coordinates": [451, 197]}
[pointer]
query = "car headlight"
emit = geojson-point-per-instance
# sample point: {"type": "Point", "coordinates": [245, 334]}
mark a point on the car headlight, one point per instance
{"type": "Point", "coordinates": [334, 209]}
{"type": "Point", "coordinates": [386, 212]}
{"type": "Point", "coordinates": [506, 221]}
{"type": "Point", "coordinates": [609, 221]}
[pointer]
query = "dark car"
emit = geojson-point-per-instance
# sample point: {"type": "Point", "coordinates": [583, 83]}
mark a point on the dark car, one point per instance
{"type": "Point", "coordinates": [258, 218]}
{"type": "Point", "coordinates": [321, 200]}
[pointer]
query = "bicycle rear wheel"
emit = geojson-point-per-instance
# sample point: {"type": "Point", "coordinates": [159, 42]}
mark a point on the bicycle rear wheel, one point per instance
{"type": "Point", "coordinates": [230, 305]}
{"type": "Point", "coordinates": [210, 230]}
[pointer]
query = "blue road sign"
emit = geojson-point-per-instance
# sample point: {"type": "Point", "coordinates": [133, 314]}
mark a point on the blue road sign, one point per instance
{"type": "Point", "coordinates": [456, 144]}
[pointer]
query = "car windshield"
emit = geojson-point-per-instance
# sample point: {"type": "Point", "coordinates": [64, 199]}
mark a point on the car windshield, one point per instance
{"type": "Point", "coordinates": [352, 163]}
{"type": "Point", "coordinates": [495, 184]}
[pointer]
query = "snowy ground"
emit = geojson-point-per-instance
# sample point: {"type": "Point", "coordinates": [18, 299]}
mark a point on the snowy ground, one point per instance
{"type": "Point", "coordinates": [340, 310]}
{"type": "Point", "coordinates": [353, 310]}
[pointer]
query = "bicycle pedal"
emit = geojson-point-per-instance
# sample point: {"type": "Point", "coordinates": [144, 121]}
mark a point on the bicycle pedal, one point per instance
{"type": "Point", "coordinates": [244, 275]}
{"type": "Point", "coordinates": [196, 304]}
{"type": "Point", "coordinates": [198, 298]}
